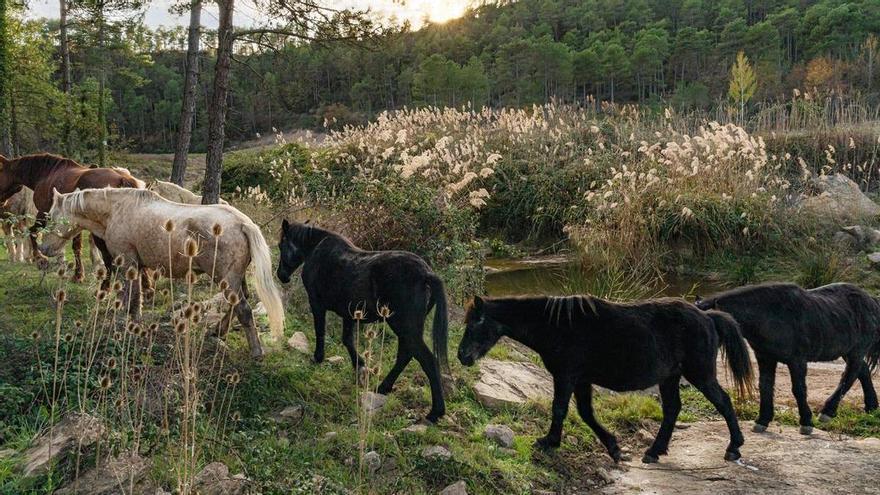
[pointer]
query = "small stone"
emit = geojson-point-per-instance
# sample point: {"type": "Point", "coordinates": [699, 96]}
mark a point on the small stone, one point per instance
{"type": "Point", "coordinates": [373, 461]}
{"type": "Point", "coordinates": [874, 258]}
{"type": "Point", "coordinates": [500, 434]}
{"type": "Point", "coordinates": [299, 342]}
{"type": "Point", "coordinates": [457, 488]}
{"type": "Point", "coordinates": [372, 402]}
{"type": "Point", "coordinates": [605, 476]}
{"type": "Point", "coordinates": [416, 429]}
{"type": "Point", "coordinates": [644, 436]}
{"type": "Point", "coordinates": [436, 452]}
{"type": "Point", "coordinates": [292, 413]}
{"type": "Point", "coordinates": [334, 360]}
{"type": "Point", "coordinates": [330, 435]}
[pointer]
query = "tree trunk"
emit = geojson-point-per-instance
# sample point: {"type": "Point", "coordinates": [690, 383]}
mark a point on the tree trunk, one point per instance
{"type": "Point", "coordinates": [4, 78]}
{"type": "Point", "coordinates": [67, 127]}
{"type": "Point", "coordinates": [188, 107]}
{"type": "Point", "coordinates": [102, 124]}
{"type": "Point", "coordinates": [217, 109]}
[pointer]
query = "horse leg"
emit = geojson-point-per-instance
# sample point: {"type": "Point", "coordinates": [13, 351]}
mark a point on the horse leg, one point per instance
{"type": "Point", "coordinates": [562, 390]}
{"type": "Point", "coordinates": [320, 316]}
{"type": "Point", "coordinates": [38, 225]}
{"type": "Point", "coordinates": [108, 260]}
{"type": "Point", "coordinates": [431, 368]}
{"type": "Point", "coordinates": [850, 374]}
{"type": "Point", "coordinates": [78, 271]}
{"type": "Point", "coordinates": [766, 384]}
{"type": "Point", "coordinates": [798, 371]}
{"type": "Point", "coordinates": [868, 388]}
{"type": "Point", "coordinates": [348, 342]}
{"type": "Point", "coordinates": [719, 398]}
{"type": "Point", "coordinates": [404, 355]}
{"type": "Point", "coordinates": [670, 400]}
{"type": "Point", "coordinates": [583, 395]}
{"type": "Point", "coordinates": [246, 318]}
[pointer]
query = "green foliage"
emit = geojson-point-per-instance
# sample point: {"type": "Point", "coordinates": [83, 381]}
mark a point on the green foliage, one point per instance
{"type": "Point", "coordinates": [272, 169]}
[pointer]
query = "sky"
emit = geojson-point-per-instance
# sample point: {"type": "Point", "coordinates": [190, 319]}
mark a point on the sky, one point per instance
{"type": "Point", "coordinates": [413, 10]}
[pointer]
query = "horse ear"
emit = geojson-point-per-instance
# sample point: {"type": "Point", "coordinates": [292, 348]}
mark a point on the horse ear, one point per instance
{"type": "Point", "coordinates": [478, 303]}
{"type": "Point", "coordinates": [285, 225]}
{"type": "Point", "coordinates": [307, 221]}
{"type": "Point", "coordinates": [55, 195]}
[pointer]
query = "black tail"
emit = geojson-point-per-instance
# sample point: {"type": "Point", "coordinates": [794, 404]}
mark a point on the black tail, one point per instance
{"type": "Point", "coordinates": [873, 355]}
{"type": "Point", "coordinates": [734, 351]}
{"type": "Point", "coordinates": [440, 332]}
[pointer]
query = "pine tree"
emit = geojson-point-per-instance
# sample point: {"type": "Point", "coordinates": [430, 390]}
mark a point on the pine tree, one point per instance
{"type": "Point", "coordinates": [743, 83]}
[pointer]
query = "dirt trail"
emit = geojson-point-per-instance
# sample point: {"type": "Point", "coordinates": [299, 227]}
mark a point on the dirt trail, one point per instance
{"type": "Point", "coordinates": [780, 461]}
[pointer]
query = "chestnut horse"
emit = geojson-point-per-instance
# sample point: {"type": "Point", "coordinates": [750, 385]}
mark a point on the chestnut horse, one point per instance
{"type": "Point", "coordinates": [44, 172]}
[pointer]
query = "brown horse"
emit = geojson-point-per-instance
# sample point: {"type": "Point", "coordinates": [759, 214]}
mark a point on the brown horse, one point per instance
{"type": "Point", "coordinates": [44, 172]}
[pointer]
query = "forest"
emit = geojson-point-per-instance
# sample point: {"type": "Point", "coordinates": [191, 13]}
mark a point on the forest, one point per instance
{"type": "Point", "coordinates": [505, 54]}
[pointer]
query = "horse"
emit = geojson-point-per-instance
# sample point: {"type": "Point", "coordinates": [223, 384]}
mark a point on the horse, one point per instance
{"type": "Point", "coordinates": [14, 216]}
{"type": "Point", "coordinates": [173, 192]}
{"type": "Point", "coordinates": [45, 172]}
{"type": "Point", "coordinates": [584, 340]}
{"type": "Point", "coordinates": [787, 324]}
{"type": "Point", "coordinates": [131, 222]}
{"type": "Point", "coordinates": [360, 286]}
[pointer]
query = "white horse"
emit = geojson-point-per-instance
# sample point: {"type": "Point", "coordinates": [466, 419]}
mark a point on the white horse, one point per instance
{"type": "Point", "coordinates": [149, 231]}
{"type": "Point", "coordinates": [173, 192]}
{"type": "Point", "coordinates": [16, 215]}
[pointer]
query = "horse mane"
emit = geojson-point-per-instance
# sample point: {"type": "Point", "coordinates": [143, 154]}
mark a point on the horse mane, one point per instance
{"type": "Point", "coordinates": [75, 202]}
{"type": "Point", "coordinates": [45, 161]}
{"type": "Point", "coordinates": [309, 235]}
{"type": "Point", "coordinates": [551, 309]}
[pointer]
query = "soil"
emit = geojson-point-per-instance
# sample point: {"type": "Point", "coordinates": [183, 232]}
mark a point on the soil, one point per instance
{"type": "Point", "coordinates": [779, 461]}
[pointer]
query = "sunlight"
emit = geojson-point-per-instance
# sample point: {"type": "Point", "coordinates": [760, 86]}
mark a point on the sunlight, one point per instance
{"type": "Point", "coordinates": [440, 12]}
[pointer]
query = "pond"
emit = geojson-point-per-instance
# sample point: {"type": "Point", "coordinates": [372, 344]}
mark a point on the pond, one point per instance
{"type": "Point", "coordinates": [557, 274]}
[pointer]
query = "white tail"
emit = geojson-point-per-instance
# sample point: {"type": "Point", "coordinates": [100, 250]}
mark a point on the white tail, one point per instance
{"type": "Point", "coordinates": [268, 292]}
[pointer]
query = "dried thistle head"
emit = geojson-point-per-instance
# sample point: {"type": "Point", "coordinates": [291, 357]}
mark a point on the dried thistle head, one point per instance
{"type": "Point", "coordinates": [77, 324]}
{"type": "Point", "coordinates": [106, 382]}
{"type": "Point", "coordinates": [35, 335]}
{"type": "Point", "coordinates": [217, 230]}
{"type": "Point", "coordinates": [233, 378]}
{"type": "Point", "coordinates": [180, 327]}
{"type": "Point", "coordinates": [385, 312]}
{"type": "Point", "coordinates": [68, 338]}
{"type": "Point", "coordinates": [61, 271]}
{"type": "Point", "coordinates": [101, 273]}
{"type": "Point", "coordinates": [117, 286]}
{"type": "Point", "coordinates": [111, 363]}
{"type": "Point", "coordinates": [154, 327]}
{"type": "Point", "coordinates": [188, 312]}
{"type": "Point", "coordinates": [190, 248]}
{"type": "Point", "coordinates": [197, 307]}
{"type": "Point", "coordinates": [102, 294]}
{"type": "Point", "coordinates": [131, 274]}
{"type": "Point", "coordinates": [236, 416]}
{"type": "Point", "coordinates": [196, 319]}
{"type": "Point", "coordinates": [118, 260]}
{"type": "Point", "coordinates": [60, 296]}
{"type": "Point", "coordinates": [232, 298]}
{"type": "Point", "coordinates": [191, 277]}
{"type": "Point", "coordinates": [224, 285]}
{"type": "Point", "coordinates": [169, 225]}
{"type": "Point", "coordinates": [117, 305]}
{"type": "Point", "coordinates": [358, 314]}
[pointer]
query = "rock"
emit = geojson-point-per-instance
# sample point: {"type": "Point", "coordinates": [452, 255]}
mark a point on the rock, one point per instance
{"type": "Point", "coordinates": [500, 434]}
{"type": "Point", "coordinates": [644, 436]}
{"type": "Point", "coordinates": [457, 488]}
{"type": "Point", "coordinates": [334, 360]}
{"type": "Point", "coordinates": [543, 492]}
{"type": "Point", "coordinates": [292, 413]}
{"type": "Point", "coordinates": [81, 429]}
{"type": "Point", "coordinates": [416, 429]}
{"type": "Point", "coordinates": [505, 383]}
{"type": "Point", "coordinates": [605, 476]}
{"type": "Point", "coordinates": [436, 452]}
{"type": "Point", "coordinates": [372, 402]}
{"type": "Point", "coordinates": [857, 237]}
{"type": "Point", "coordinates": [330, 435]}
{"type": "Point", "coordinates": [874, 258]}
{"type": "Point", "coordinates": [260, 310]}
{"type": "Point", "coordinates": [214, 479]}
{"type": "Point", "coordinates": [299, 342]}
{"type": "Point", "coordinates": [845, 241]}
{"type": "Point", "coordinates": [373, 461]}
{"type": "Point", "coordinates": [839, 199]}
{"type": "Point", "coordinates": [109, 477]}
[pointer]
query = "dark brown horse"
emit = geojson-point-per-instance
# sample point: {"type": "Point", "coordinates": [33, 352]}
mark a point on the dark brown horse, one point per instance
{"type": "Point", "coordinates": [44, 172]}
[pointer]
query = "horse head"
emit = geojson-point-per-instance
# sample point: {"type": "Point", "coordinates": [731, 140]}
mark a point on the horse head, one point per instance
{"type": "Point", "coordinates": [8, 185]}
{"type": "Point", "coordinates": [480, 334]}
{"type": "Point", "coordinates": [60, 229]}
{"type": "Point", "coordinates": [293, 250]}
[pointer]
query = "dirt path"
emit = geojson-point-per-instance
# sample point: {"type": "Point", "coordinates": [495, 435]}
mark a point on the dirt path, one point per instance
{"type": "Point", "coordinates": [780, 461]}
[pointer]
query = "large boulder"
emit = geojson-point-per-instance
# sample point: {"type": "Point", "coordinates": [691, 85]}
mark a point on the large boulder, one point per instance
{"type": "Point", "coordinates": [838, 199]}
{"type": "Point", "coordinates": [857, 237]}
{"type": "Point", "coordinates": [504, 383]}
{"type": "Point", "coordinates": [73, 430]}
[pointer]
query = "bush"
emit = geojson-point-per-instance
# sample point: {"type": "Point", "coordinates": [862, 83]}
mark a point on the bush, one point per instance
{"type": "Point", "coordinates": [270, 170]}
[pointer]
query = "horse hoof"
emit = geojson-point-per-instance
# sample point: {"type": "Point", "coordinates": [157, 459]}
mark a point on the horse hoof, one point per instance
{"type": "Point", "coordinates": [824, 418]}
{"type": "Point", "coordinates": [731, 455]}
{"type": "Point", "coordinates": [650, 459]}
{"type": "Point", "coordinates": [759, 428]}
{"type": "Point", "coordinates": [433, 418]}
{"type": "Point", "coordinates": [616, 454]}
{"type": "Point", "coordinates": [806, 430]}
{"type": "Point", "coordinates": [545, 443]}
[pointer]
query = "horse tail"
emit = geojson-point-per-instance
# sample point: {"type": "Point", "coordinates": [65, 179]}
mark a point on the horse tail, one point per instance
{"type": "Point", "coordinates": [268, 292]}
{"type": "Point", "coordinates": [440, 331]}
{"type": "Point", "coordinates": [734, 351]}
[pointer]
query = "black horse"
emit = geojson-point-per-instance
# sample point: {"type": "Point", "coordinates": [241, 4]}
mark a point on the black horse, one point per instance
{"type": "Point", "coordinates": [354, 283]}
{"type": "Point", "coordinates": [585, 340]}
{"type": "Point", "coordinates": [785, 323]}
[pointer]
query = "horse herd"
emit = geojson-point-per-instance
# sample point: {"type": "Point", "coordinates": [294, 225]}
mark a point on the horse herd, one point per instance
{"type": "Point", "coordinates": [582, 340]}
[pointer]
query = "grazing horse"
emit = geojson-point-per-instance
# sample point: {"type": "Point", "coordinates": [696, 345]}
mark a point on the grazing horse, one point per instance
{"type": "Point", "coordinates": [344, 279]}
{"type": "Point", "coordinates": [44, 173]}
{"type": "Point", "coordinates": [131, 221]}
{"type": "Point", "coordinates": [584, 340]}
{"type": "Point", "coordinates": [787, 324]}
{"type": "Point", "coordinates": [173, 192]}
{"type": "Point", "coordinates": [14, 215]}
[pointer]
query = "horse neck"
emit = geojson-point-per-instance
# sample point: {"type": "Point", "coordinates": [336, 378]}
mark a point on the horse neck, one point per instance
{"type": "Point", "coordinates": [525, 319]}
{"type": "Point", "coordinates": [28, 172]}
{"type": "Point", "coordinates": [96, 213]}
